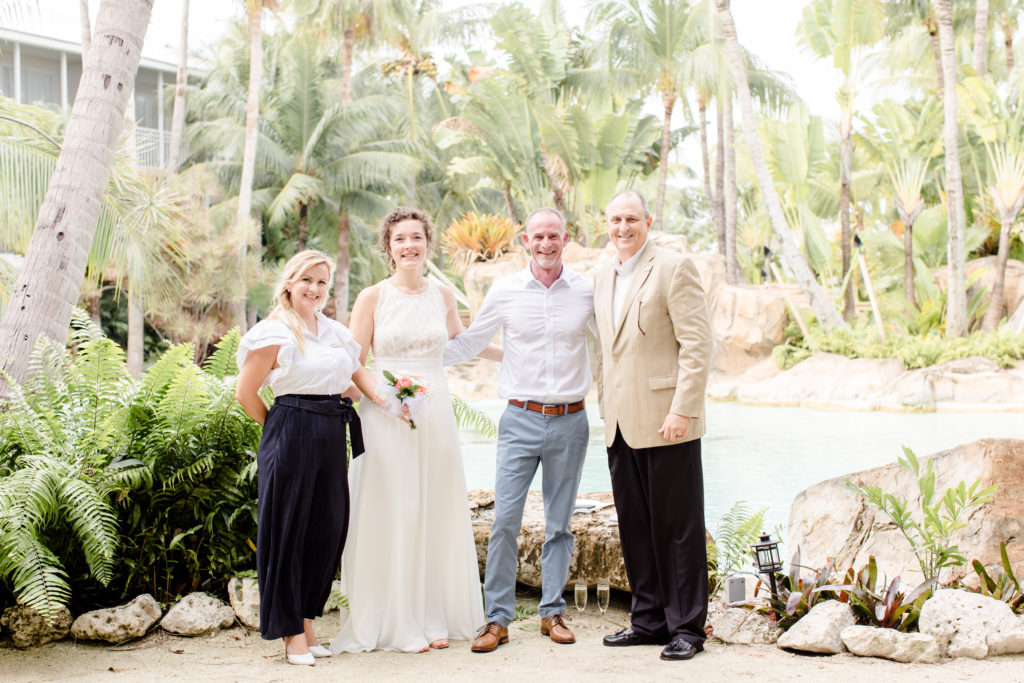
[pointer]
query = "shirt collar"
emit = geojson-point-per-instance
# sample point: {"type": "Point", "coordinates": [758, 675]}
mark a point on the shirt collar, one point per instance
{"type": "Point", "coordinates": [531, 279]}
{"type": "Point", "coordinates": [626, 269]}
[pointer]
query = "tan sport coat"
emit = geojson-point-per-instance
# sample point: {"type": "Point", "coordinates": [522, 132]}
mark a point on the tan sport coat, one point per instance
{"type": "Point", "coordinates": [655, 358]}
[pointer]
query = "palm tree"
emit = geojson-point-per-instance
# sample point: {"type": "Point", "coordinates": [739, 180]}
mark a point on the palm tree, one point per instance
{"type": "Point", "coordinates": [653, 37]}
{"type": "Point", "coordinates": [956, 315]}
{"type": "Point", "coordinates": [1007, 192]}
{"type": "Point", "coordinates": [84, 25]}
{"type": "Point", "coordinates": [48, 286]}
{"type": "Point", "coordinates": [836, 29]}
{"type": "Point", "coordinates": [980, 36]}
{"type": "Point", "coordinates": [820, 305]}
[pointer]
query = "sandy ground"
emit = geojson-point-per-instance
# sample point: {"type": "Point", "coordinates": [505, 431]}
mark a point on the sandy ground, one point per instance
{"type": "Point", "coordinates": [240, 655]}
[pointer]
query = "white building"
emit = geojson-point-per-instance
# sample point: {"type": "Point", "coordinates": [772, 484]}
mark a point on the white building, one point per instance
{"type": "Point", "coordinates": [45, 71]}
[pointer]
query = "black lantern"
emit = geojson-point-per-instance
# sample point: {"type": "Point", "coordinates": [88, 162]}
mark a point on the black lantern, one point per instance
{"type": "Point", "coordinates": [766, 554]}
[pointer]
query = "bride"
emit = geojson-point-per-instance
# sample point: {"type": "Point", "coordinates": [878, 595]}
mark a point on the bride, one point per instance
{"type": "Point", "coordinates": [410, 567]}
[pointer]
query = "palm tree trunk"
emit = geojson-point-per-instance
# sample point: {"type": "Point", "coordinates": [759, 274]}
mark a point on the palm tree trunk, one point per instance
{"type": "Point", "coordinates": [956, 293]}
{"type": "Point", "coordinates": [933, 37]}
{"type": "Point", "coordinates": [908, 263]}
{"type": "Point", "coordinates": [341, 268]}
{"type": "Point", "coordinates": [995, 303]}
{"type": "Point", "coordinates": [252, 117]}
{"type": "Point", "coordinates": [510, 203]}
{"type": "Point", "coordinates": [342, 262]}
{"type": "Point", "coordinates": [303, 233]}
{"type": "Point", "coordinates": [720, 176]}
{"type": "Point", "coordinates": [1008, 28]}
{"type": "Point", "coordinates": [845, 176]}
{"type": "Point", "coordinates": [136, 334]}
{"type": "Point", "coordinates": [709, 198]}
{"type": "Point", "coordinates": [668, 98]}
{"type": "Point", "coordinates": [980, 36]}
{"type": "Point", "coordinates": [178, 117]}
{"type": "Point", "coordinates": [49, 283]}
{"type": "Point", "coordinates": [733, 273]}
{"type": "Point", "coordinates": [820, 306]}
{"type": "Point", "coordinates": [85, 26]}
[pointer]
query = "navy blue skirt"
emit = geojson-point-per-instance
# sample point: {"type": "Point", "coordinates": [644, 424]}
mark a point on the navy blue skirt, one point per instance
{"type": "Point", "coordinates": [303, 507]}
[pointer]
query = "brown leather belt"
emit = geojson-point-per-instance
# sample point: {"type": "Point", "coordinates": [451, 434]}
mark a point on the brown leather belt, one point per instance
{"type": "Point", "coordinates": [548, 408]}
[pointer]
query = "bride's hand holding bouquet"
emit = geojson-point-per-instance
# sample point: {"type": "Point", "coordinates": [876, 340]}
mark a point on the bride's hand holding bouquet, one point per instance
{"type": "Point", "coordinates": [404, 397]}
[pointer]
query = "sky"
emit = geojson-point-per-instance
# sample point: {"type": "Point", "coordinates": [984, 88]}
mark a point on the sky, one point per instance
{"type": "Point", "coordinates": [765, 27]}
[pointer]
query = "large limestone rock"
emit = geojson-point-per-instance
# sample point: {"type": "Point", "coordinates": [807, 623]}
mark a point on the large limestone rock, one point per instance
{"type": "Point", "coordinates": [28, 628]}
{"type": "Point", "coordinates": [596, 552]}
{"type": "Point", "coordinates": [819, 630]}
{"type": "Point", "coordinates": [971, 625]}
{"type": "Point", "coordinates": [827, 520]}
{"type": "Point", "coordinates": [118, 624]}
{"type": "Point", "coordinates": [831, 381]}
{"type": "Point", "coordinates": [244, 596]}
{"type": "Point", "coordinates": [739, 626]}
{"type": "Point", "coordinates": [196, 614]}
{"type": "Point", "coordinates": [887, 643]}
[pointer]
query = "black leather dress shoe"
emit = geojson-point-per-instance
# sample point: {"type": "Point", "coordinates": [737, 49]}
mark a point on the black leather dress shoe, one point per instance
{"type": "Point", "coordinates": [680, 649]}
{"type": "Point", "coordinates": [628, 636]}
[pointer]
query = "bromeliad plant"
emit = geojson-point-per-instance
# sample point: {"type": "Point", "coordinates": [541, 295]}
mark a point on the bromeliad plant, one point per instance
{"type": "Point", "coordinates": [110, 485]}
{"type": "Point", "coordinates": [888, 608]}
{"type": "Point", "coordinates": [1002, 584]}
{"type": "Point", "coordinates": [930, 533]}
{"type": "Point", "coordinates": [797, 594]}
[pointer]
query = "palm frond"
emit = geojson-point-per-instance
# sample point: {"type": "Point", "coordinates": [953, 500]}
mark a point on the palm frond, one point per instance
{"type": "Point", "coordinates": [468, 417]}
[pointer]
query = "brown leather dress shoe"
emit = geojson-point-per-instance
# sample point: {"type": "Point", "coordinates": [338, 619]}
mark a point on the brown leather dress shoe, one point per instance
{"type": "Point", "coordinates": [490, 637]}
{"type": "Point", "coordinates": [554, 625]}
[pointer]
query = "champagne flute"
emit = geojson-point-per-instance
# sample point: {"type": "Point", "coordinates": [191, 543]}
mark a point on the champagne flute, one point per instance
{"type": "Point", "coordinates": [580, 593]}
{"type": "Point", "coordinates": [604, 594]}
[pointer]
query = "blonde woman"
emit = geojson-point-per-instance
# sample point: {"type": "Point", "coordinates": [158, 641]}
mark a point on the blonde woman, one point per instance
{"type": "Point", "coordinates": [410, 570]}
{"type": "Point", "coordinates": [308, 360]}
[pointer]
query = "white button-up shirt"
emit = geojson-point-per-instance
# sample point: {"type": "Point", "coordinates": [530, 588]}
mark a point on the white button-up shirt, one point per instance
{"type": "Point", "coordinates": [623, 276]}
{"type": "Point", "coordinates": [544, 341]}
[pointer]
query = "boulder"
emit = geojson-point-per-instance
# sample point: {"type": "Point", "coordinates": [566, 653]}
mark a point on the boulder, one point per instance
{"type": "Point", "coordinates": [118, 624]}
{"type": "Point", "coordinates": [826, 520]}
{"type": "Point", "coordinates": [971, 625]}
{"type": "Point", "coordinates": [595, 554]}
{"type": "Point", "coordinates": [196, 614]}
{"type": "Point", "coordinates": [739, 626]}
{"type": "Point", "coordinates": [819, 630]}
{"type": "Point", "coordinates": [887, 643]}
{"type": "Point", "coordinates": [831, 381]}
{"type": "Point", "coordinates": [28, 628]}
{"type": "Point", "coordinates": [244, 596]}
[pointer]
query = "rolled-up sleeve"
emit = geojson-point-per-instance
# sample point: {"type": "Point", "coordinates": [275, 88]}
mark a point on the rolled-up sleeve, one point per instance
{"type": "Point", "coordinates": [468, 344]}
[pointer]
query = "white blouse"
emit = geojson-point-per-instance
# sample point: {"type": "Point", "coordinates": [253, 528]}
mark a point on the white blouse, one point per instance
{"type": "Point", "coordinates": [326, 367]}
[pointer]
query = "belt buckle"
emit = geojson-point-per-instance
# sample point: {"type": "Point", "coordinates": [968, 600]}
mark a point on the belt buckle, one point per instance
{"type": "Point", "coordinates": [556, 408]}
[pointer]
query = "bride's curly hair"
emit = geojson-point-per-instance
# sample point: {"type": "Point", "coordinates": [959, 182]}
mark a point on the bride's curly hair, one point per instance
{"type": "Point", "coordinates": [396, 216]}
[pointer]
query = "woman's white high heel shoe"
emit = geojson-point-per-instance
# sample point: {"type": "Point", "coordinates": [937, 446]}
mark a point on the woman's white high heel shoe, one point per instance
{"type": "Point", "coordinates": [319, 651]}
{"type": "Point", "coordinates": [305, 659]}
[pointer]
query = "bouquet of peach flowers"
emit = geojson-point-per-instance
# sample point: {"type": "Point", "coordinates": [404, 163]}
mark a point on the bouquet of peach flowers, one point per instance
{"type": "Point", "coordinates": [404, 392]}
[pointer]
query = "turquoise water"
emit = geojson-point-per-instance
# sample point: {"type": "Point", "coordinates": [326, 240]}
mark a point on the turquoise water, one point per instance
{"type": "Point", "coordinates": [766, 455]}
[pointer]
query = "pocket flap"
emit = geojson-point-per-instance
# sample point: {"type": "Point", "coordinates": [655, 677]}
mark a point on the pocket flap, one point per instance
{"type": "Point", "coordinates": [663, 382]}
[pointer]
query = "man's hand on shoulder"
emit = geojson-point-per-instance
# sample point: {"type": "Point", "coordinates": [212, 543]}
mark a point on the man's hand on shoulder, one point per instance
{"type": "Point", "coordinates": [674, 427]}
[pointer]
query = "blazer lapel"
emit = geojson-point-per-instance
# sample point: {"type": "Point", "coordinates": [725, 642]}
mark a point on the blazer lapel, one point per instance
{"type": "Point", "coordinates": [639, 278]}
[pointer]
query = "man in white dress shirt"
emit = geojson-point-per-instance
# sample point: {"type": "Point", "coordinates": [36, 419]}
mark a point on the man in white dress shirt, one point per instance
{"type": "Point", "coordinates": [544, 311]}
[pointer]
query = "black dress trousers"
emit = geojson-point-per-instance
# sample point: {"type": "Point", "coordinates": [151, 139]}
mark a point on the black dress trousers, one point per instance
{"type": "Point", "coordinates": [659, 497]}
{"type": "Point", "coordinates": [303, 507]}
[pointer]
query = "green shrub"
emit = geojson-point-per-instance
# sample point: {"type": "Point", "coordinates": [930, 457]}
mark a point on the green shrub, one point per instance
{"type": "Point", "coordinates": [111, 486]}
{"type": "Point", "coordinates": [1003, 347]}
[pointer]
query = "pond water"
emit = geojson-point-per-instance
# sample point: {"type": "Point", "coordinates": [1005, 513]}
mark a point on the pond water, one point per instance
{"type": "Point", "coordinates": [766, 455]}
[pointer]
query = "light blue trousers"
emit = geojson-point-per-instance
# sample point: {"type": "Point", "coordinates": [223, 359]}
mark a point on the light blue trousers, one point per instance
{"type": "Point", "coordinates": [525, 440]}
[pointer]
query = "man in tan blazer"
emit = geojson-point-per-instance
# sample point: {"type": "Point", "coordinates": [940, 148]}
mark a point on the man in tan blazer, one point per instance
{"type": "Point", "coordinates": [654, 351]}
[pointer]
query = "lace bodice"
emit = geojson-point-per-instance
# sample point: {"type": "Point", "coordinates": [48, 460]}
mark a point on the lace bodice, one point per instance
{"type": "Point", "coordinates": [409, 326]}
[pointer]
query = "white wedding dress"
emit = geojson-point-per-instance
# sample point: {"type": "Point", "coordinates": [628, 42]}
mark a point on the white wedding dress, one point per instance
{"type": "Point", "coordinates": [409, 569]}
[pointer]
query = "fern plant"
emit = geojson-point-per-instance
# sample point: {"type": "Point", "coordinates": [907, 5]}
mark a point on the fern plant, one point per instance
{"type": "Point", "coordinates": [110, 486]}
{"type": "Point", "coordinates": [736, 532]}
